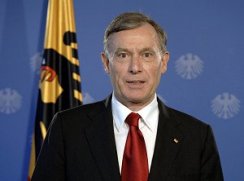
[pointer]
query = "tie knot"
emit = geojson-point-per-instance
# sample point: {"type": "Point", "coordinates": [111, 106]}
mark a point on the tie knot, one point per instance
{"type": "Point", "coordinates": [132, 119]}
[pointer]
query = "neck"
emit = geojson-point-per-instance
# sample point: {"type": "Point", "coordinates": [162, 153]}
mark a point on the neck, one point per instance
{"type": "Point", "coordinates": [136, 106]}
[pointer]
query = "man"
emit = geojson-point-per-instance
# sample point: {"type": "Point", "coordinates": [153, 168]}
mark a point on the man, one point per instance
{"type": "Point", "coordinates": [97, 142]}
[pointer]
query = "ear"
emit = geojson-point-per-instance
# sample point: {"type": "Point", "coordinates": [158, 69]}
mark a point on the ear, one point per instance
{"type": "Point", "coordinates": [165, 59]}
{"type": "Point", "coordinates": [105, 62]}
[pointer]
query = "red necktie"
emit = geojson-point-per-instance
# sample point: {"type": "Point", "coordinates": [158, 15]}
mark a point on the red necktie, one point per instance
{"type": "Point", "coordinates": [135, 163]}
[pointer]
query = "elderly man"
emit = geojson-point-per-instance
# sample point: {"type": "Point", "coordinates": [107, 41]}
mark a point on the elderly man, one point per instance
{"type": "Point", "coordinates": [132, 135]}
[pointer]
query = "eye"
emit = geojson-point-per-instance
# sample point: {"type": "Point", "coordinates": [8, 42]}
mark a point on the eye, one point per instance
{"type": "Point", "coordinates": [147, 54]}
{"type": "Point", "coordinates": [122, 55]}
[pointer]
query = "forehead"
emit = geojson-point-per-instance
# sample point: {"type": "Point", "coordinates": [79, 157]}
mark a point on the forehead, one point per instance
{"type": "Point", "coordinates": [142, 36]}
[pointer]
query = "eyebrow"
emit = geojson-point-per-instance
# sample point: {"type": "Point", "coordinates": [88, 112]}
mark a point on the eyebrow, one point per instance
{"type": "Point", "coordinates": [127, 50]}
{"type": "Point", "coordinates": [122, 50]}
{"type": "Point", "coordinates": [147, 49]}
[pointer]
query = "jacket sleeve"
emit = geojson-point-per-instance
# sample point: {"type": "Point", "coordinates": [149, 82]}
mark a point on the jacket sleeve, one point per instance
{"type": "Point", "coordinates": [50, 163]}
{"type": "Point", "coordinates": [210, 162]}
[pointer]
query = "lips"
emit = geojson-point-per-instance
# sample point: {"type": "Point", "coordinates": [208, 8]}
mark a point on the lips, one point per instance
{"type": "Point", "coordinates": [135, 83]}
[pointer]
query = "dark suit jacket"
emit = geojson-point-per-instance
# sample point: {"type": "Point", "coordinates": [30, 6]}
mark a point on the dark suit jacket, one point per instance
{"type": "Point", "coordinates": [80, 145]}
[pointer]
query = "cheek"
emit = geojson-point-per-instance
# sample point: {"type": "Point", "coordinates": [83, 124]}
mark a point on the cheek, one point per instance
{"type": "Point", "coordinates": [160, 69]}
{"type": "Point", "coordinates": [156, 70]}
{"type": "Point", "coordinates": [155, 74]}
{"type": "Point", "coordinates": [116, 74]}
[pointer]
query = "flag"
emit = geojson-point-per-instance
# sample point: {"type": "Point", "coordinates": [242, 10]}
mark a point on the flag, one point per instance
{"type": "Point", "coordinates": [59, 85]}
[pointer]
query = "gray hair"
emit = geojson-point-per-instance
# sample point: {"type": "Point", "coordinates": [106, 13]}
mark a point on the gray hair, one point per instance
{"type": "Point", "coordinates": [131, 20]}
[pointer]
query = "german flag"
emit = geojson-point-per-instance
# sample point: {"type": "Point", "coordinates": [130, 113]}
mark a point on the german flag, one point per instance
{"type": "Point", "coordinates": [59, 85]}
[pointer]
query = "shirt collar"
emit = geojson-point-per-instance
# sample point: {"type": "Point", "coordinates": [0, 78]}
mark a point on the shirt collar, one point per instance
{"type": "Point", "coordinates": [120, 112]}
{"type": "Point", "coordinates": [148, 112]}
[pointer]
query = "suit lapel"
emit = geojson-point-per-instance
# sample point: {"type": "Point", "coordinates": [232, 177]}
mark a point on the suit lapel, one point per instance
{"type": "Point", "coordinates": [101, 140]}
{"type": "Point", "coordinates": [167, 145]}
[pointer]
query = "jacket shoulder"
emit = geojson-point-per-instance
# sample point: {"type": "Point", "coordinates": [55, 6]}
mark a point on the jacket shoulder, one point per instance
{"type": "Point", "coordinates": [181, 119]}
{"type": "Point", "coordinates": [80, 116]}
{"type": "Point", "coordinates": [185, 118]}
{"type": "Point", "coordinates": [92, 108]}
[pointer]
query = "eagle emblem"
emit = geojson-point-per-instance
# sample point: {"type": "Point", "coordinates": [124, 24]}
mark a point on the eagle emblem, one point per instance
{"type": "Point", "coordinates": [10, 101]}
{"type": "Point", "coordinates": [225, 105]}
{"type": "Point", "coordinates": [189, 66]}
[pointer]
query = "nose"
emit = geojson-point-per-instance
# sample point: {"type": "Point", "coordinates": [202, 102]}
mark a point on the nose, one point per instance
{"type": "Point", "coordinates": [135, 65]}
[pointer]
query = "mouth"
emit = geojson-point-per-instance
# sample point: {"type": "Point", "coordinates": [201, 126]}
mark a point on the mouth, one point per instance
{"type": "Point", "coordinates": [136, 84]}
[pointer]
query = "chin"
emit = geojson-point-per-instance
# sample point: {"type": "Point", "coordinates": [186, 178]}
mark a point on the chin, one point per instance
{"type": "Point", "coordinates": [136, 99]}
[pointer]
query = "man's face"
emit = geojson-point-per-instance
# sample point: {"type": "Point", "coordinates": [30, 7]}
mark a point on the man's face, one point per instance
{"type": "Point", "coordinates": [135, 64]}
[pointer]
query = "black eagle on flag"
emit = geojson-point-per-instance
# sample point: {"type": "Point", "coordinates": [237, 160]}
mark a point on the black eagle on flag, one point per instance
{"type": "Point", "coordinates": [59, 85]}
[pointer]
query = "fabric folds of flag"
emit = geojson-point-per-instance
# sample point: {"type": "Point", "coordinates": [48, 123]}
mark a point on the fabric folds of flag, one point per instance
{"type": "Point", "coordinates": [59, 85]}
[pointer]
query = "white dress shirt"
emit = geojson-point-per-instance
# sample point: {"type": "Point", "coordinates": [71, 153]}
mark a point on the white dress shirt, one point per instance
{"type": "Point", "coordinates": [147, 124]}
